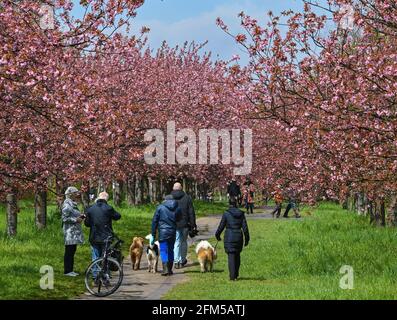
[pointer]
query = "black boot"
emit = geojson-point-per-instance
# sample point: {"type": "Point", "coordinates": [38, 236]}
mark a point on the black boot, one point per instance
{"type": "Point", "coordinates": [170, 265]}
{"type": "Point", "coordinates": [165, 269]}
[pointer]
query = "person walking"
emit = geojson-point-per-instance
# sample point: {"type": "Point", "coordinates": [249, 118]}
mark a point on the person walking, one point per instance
{"type": "Point", "coordinates": [292, 204]}
{"type": "Point", "coordinates": [72, 231]}
{"type": "Point", "coordinates": [164, 223]}
{"type": "Point", "coordinates": [233, 192]}
{"type": "Point", "coordinates": [186, 224]}
{"type": "Point", "coordinates": [236, 235]}
{"type": "Point", "coordinates": [278, 199]}
{"type": "Point", "coordinates": [249, 194]}
{"type": "Point", "coordinates": [99, 219]}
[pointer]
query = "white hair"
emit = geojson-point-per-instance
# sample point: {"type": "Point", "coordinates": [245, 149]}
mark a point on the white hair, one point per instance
{"type": "Point", "coordinates": [103, 196]}
{"type": "Point", "coordinates": [177, 186]}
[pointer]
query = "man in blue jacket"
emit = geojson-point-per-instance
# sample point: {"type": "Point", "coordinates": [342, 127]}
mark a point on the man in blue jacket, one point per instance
{"type": "Point", "coordinates": [164, 221]}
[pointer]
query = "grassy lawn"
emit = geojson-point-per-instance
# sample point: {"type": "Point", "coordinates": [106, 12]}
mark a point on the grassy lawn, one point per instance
{"type": "Point", "coordinates": [22, 257]}
{"type": "Point", "coordinates": [301, 259]}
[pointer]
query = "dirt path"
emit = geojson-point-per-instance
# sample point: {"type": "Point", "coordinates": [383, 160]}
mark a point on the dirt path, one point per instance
{"type": "Point", "coordinates": [141, 285]}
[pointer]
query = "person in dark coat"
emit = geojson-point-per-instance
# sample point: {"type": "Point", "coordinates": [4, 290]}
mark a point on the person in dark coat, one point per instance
{"type": "Point", "coordinates": [236, 235]}
{"type": "Point", "coordinates": [234, 192]}
{"type": "Point", "coordinates": [99, 219]}
{"type": "Point", "coordinates": [164, 222]}
{"type": "Point", "coordinates": [186, 224]}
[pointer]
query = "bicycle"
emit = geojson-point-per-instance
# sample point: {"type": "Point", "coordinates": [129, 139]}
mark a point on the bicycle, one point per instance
{"type": "Point", "coordinates": [105, 274]}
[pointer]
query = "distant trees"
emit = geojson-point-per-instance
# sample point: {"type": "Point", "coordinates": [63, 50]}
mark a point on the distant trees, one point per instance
{"type": "Point", "coordinates": [326, 100]}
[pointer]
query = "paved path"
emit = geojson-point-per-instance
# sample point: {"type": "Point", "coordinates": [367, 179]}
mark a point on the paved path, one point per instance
{"type": "Point", "coordinates": [142, 285]}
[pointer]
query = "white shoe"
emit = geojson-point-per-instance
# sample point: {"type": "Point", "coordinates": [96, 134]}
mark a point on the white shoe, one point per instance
{"type": "Point", "coordinates": [71, 274]}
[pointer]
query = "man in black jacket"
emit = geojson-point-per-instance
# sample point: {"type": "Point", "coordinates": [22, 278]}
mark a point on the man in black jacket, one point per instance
{"type": "Point", "coordinates": [234, 192]}
{"type": "Point", "coordinates": [99, 219]}
{"type": "Point", "coordinates": [236, 236]}
{"type": "Point", "coordinates": [184, 225]}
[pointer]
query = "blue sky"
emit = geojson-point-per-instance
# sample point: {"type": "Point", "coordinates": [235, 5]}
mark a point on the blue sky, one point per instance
{"type": "Point", "coordinates": [177, 21]}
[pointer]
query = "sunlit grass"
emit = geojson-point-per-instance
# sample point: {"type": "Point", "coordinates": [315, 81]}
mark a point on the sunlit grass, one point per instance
{"type": "Point", "coordinates": [301, 259]}
{"type": "Point", "coordinates": [22, 257]}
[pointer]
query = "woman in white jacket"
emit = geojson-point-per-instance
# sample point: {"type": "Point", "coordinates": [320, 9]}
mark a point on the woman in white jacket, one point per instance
{"type": "Point", "coordinates": [72, 231]}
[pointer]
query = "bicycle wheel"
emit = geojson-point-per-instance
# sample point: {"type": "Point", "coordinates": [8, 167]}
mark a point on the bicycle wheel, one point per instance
{"type": "Point", "coordinates": [103, 277]}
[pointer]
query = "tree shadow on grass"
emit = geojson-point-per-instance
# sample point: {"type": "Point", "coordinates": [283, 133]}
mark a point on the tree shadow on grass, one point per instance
{"type": "Point", "coordinates": [198, 271]}
{"type": "Point", "coordinates": [252, 279]}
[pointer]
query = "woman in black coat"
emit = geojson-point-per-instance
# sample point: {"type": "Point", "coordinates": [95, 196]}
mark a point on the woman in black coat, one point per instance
{"type": "Point", "coordinates": [236, 232]}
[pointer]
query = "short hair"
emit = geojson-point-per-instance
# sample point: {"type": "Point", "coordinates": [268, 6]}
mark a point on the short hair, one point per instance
{"type": "Point", "coordinates": [168, 197]}
{"type": "Point", "coordinates": [177, 186]}
{"type": "Point", "coordinates": [103, 196]}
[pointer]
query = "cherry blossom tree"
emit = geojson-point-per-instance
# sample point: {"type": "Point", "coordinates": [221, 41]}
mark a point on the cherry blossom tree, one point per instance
{"type": "Point", "coordinates": [332, 93]}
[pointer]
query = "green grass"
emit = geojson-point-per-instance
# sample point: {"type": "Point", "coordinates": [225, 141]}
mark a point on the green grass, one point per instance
{"type": "Point", "coordinates": [301, 259]}
{"type": "Point", "coordinates": [22, 257]}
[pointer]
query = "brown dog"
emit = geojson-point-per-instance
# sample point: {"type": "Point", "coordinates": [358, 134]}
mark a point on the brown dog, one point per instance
{"type": "Point", "coordinates": [136, 250]}
{"type": "Point", "coordinates": [206, 255]}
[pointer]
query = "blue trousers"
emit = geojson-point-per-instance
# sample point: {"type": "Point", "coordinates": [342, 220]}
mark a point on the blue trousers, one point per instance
{"type": "Point", "coordinates": [96, 252]}
{"type": "Point", "coordinates": [167, 250]}
{"type": "Point", "coordinates": [180, 249]}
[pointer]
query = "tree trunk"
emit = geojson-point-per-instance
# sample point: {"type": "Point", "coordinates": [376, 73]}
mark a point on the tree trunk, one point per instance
{"type": "Point", "coordinates": [12, 214]}
{"type": "Point", "coordinates": [360, 204]}
{"type": "Point", "coordinates": [379, 213]}
{"type": "Point", "coordinates": [130, 191]}
{"type": "Point", "coordinates": [40, 209]}
{"type": "Point", "coordinates": [195, 190]}
{"type": "Point", "coordinates": [117, 193]}
{"type": "Point", "coordinates": [161, 191]}
{"type": "Point", "coordinates": [382, 213]}
{"type": "Point", "coordinates": [60, 190]}
{"type": "Point", "coordinates": [85, 199]}
{"type": "Point", "coordinates": [138, 190]}
{"type": "Point", "coordinates": [145, 189]}
{"type": "Point", "coordinates": [150, 190]}
{"type": "Point", "coordinates": [85, 194]}
{"type": "Point", "coordinates": [371, 213]}
{"type": "Point", "coordinates": [354, 202]}
{"type": "Point", "coordinates": [344, 202]}
{"type": "Point", "coordinates": [155, 190]}
{"type": "Point", "coordinates": [101, 186]}
{"type": "Point", "coordinates": [392, 211]}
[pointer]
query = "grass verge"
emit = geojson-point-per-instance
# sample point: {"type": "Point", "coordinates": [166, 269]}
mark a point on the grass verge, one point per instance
{"type": "Point", "coordinates": [22, 257]}
{"type": "Point", "coordinates": [301, 259]}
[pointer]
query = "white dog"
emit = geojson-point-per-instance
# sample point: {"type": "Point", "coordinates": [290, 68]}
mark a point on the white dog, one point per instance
{"type": "Point", "coordinates": [206, 255]}
{"type": "Point", "coordinates": [152, 254]}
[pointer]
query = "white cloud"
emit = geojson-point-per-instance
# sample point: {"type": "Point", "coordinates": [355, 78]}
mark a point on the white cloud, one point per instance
{"type": "Point", "coordinates": [203, 27]}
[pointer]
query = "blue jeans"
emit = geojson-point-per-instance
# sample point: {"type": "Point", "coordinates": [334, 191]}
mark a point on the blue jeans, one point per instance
{"type": "Point", "coordinates": [167, 250]}
{"type": "Point", "coordinates": [96, 252]}
{"type": "Point", "coordinates": [180, 248]}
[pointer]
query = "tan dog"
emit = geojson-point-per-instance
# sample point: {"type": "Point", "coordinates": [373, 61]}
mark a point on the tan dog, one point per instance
{"type": "Point", "coordinates": [206, 255]}
{"type": "Point", "coordinates": [136, 250]}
